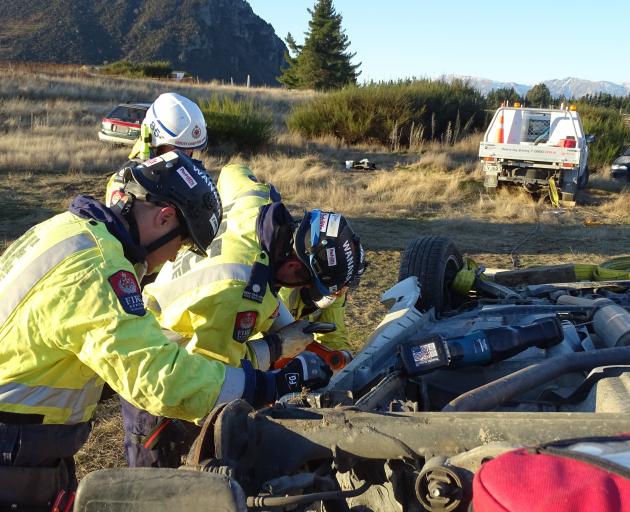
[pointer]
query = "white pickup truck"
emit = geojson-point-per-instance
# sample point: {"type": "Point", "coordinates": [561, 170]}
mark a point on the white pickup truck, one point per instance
{"type": "Point", "coordinates": [531, 146]}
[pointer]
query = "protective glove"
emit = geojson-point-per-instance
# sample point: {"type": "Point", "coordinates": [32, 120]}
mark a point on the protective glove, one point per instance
{"type": "Point", "coordinates": [289, 341]}
{"type": "Point", "coordinates": [307, 370]}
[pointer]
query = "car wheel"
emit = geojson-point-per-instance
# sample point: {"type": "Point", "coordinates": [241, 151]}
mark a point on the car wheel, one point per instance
{"type": "Point", "coordinates": [435, 261]}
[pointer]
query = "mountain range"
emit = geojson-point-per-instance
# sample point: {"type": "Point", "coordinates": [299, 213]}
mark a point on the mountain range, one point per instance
{"type": "Point", "coordinates": [567, 87]}
{"type": "Point", "coordinates": [211, 39]}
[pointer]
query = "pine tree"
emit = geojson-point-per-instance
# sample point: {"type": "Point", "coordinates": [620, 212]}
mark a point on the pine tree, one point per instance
{"type": "Point", "coordinates": [539, 96]}
{"type": "Point", "coordinates": [322, 62]}
{"type": "Point", "coordinates": [289, 73]}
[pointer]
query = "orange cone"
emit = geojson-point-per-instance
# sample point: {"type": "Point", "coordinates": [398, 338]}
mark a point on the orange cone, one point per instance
{"type": "Point", "coordinates": [500, 130]}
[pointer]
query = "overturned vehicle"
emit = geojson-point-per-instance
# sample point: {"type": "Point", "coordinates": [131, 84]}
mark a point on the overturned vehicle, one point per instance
{"type": "Point", "coordinates": [463, 372]}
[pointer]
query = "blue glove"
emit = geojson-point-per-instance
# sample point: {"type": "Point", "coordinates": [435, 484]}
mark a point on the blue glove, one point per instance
{"type": "Point", "coordinates": [307, 370]}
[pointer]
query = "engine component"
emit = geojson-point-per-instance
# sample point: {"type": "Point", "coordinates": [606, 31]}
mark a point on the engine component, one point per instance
{"type": "Point", "coordinates": [440, 488]}
{"type": "Point", "coordinates": [610, 321]}
{"type": "Point", "coordinates": [494, 393]}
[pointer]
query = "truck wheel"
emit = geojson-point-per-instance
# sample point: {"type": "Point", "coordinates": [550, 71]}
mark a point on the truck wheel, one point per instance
{"type": "Point", "coordinates": [435, 261]}
{"type": "Point", "coordinates": [583, 180]}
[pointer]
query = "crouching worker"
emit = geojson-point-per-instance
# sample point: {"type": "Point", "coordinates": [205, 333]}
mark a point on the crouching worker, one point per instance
{"type": "Point", "coordinates": [223, 304]}
{"type": "Point", "coordinates": [72, 317]}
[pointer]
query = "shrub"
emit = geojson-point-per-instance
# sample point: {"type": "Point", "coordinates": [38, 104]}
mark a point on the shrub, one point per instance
{"type": "Point", "coordinates": [241, 124]}
{"type": "Point", "coordinates": [395, 114]}
{"type": "Point", "coordinates": [611, 132]}
{"type": "Point", "coordinates": [153, 69]}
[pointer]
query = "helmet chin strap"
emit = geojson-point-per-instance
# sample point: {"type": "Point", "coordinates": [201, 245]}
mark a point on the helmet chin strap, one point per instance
{"type": "Point", "coordinates": [126, 210]}
{"type": "Point", "coordinates": [164, 239]}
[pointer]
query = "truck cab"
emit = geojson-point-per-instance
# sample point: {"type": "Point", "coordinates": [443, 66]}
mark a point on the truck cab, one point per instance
{"type": "Point", "coordinates": [533, 147]}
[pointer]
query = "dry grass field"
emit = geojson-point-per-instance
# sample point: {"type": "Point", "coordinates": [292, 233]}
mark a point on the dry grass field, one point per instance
{"type": "Point", "coordinates": [49, 152]}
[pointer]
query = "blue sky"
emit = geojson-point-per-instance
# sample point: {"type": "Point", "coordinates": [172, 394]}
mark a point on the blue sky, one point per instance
{"type": "Point", "coordinates": [524, 42]}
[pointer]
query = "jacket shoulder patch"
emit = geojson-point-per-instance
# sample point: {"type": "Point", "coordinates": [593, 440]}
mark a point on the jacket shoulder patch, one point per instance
{"type": "Point", "coordinates": [257, 285]}
{"type": "Point", "coordinates": [127, 290]}
{"type": "Point", "coordinates": [244, 325]}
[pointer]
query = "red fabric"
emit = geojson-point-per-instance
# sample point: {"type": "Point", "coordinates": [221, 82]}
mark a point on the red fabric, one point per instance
{"type": "Point", "coordinates": [521, 481]}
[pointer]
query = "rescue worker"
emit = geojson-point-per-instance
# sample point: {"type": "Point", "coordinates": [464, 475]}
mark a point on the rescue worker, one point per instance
{"type": "Point", "coordinates": [218, 304]}
{"type": "Point", "coordinates": [171, 122]}
{"type": "Point", "coordinates": [72, 317]}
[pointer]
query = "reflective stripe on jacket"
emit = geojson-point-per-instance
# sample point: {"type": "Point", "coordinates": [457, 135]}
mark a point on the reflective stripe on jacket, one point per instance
{"type": "Point", "coordinates": [64, 330]}
{"type": "Point", "coordinates": [203, 299]}
{"type": "Point", "coordinates": [335, 313]}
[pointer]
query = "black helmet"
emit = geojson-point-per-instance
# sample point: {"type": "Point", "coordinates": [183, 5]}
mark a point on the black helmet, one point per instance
{"type": "Point", "coordinates": [176, 179]}
{"type": "Point", "coordinates": [332, 252]}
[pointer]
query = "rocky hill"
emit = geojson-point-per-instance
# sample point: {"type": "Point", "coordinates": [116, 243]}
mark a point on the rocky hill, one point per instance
{"type": "Point", "coordinates": [211, 39]}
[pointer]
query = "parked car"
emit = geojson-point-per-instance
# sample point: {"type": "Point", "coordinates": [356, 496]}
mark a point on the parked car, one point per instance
{"type": "Point", "coordinates": [122, 125]}
{"type": "Point", "coordinates": [619, 167]}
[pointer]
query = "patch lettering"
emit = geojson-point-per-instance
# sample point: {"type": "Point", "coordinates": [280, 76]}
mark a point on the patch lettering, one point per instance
{"type": "Point", "coordinates": [204, 176]}
{"type": "Point", "coordinates": [331, 256]}
{"type": "Point", "coordinates": [347, 250]}
{"type": "Point", "coordinates": [190, 181]}
{"type": "Point", "coordinates": [334, 220]}
{"type": "Point", "coordinates": [153, 161]}
{"type": "Point", "coordinates": [293, 381]}
{"type": "Point", "coordinates": [127, 290]}
{"type": "Point", "coordinates": [214, 222]}
{"type": "Point", "coordinates": [323, 221]}
{"type": "Point", "coordinates": [244, 325]}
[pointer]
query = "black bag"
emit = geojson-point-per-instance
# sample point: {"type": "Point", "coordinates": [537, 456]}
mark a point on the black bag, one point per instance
{"type": "Point", "coordinates": [34, 488]}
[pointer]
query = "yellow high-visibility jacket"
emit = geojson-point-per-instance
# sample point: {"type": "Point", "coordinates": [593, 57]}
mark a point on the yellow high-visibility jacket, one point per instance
{"type": "Point", "coordinates": [335, 313]}
{"type": "Point", "coordinates": [220, 302]}
{"type": "Point", "coordinates": [71, 317]}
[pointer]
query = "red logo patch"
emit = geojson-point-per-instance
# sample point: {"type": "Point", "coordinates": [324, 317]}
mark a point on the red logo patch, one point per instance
{"type": "Point", "coordinates": [196, 132]}
{"type": "Point", "coordinates": [244, 325]}
{"type": "Point", "coordinates": [127, 290]}
{"type": "Point", "coordinates": [116, 196]}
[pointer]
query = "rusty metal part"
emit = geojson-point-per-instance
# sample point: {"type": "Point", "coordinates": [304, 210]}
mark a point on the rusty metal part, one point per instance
{"type": "Point", "coordinates": [281, 440]}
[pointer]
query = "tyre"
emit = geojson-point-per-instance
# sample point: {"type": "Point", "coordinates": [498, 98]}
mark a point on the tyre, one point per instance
{"type": "Point", "coordinates": [435, 261]}
{"type": "Point", "coordinates": [583, 179]}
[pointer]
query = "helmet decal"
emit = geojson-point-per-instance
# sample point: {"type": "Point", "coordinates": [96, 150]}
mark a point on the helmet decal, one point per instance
{"type": "Point", "coordinates": [190, 181]}
{"type": "Point", "coordinates": [196, 132]}
{"type": "Point", "coordinates": [333, 224]}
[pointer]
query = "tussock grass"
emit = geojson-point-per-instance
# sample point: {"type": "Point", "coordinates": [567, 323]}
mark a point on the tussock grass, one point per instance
{"type": "Point", "coordinates": [104, 448]}
{"type": "Point", "coordinates": [616, 210]}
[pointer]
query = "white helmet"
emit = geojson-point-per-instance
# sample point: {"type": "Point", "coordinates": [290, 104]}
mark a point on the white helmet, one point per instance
{"type": "Point", "coordinates": [177, 121]}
